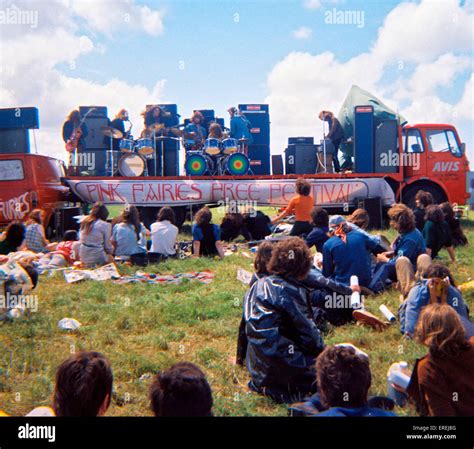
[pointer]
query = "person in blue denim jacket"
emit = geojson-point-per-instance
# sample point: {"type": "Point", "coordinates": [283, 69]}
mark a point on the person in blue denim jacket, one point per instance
{"type": "Point", "coordinates": [419, 297]}
{"type": "Point", "coordinates": [401, 263]}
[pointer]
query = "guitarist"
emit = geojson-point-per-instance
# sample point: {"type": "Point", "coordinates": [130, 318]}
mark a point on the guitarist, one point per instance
{"type": "Point", "coordinates": [74, 133]}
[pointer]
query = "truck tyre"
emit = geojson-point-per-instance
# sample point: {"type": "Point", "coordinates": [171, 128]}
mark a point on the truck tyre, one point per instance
{"type": "Point", "coordinates": [409, 193]}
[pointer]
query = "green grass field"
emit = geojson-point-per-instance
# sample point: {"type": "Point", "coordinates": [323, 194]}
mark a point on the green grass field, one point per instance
{"type": "Point", "coordinates": [144, 328]}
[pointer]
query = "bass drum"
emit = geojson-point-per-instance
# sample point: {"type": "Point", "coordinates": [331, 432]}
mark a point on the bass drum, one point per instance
{"type": "Point", "coordinates": [237, 164]}
{"type": "Point", "coordinates": [198, 165]}
{"type": "Point", "coordinates": [131, 165]}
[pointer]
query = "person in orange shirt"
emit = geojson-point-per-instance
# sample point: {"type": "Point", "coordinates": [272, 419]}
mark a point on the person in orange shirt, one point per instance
{"type": "Point", "coordinates": [301, 206]}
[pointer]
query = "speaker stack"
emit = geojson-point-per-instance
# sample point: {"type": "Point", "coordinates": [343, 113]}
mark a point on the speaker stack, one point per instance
{"type": "Point", "coordinates": [300, 156]}
{"type": "Point", "coordinates": [96, 144]}
{"type": "Point", "coordinates": [14, 126]}
{"type": "Point", "coordinates": [259, 150]}
{"type": "Point", "coordinates": [170, 146]}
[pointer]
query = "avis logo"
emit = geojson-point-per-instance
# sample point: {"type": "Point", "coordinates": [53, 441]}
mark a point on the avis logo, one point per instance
{"type": "Point", "coordinates": [446, 166]}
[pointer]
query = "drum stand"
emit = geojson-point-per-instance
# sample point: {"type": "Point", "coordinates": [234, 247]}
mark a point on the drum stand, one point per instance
{"type": "Point", "coordinates": [109, 166]}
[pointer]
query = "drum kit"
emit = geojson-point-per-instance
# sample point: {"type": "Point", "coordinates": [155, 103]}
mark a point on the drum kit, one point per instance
{"type": "Point", "coordinates": [218, 158]}
{"type": "Point", "coordinates": [214, 157]}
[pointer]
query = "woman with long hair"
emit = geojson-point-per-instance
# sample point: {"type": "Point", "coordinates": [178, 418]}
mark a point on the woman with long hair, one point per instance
{"type": "Point", "coordinates": [35, 237]}
{"type": "Point", "coordinates": [437, 233]}
{"type": "Point", "coordinates": [96, 247]}
{"type": "Point", "coordinates": [206, 235]}
{"type": "Point", "coordinates": [129, 236]}
{"type": "Point", "coordinates": [164, 234]}
{"type": "Point", "coordinates": [442, 382]}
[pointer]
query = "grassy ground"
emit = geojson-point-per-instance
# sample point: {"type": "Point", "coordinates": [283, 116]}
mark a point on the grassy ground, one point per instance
{"type": "Point", "coordinates": [143, 329]}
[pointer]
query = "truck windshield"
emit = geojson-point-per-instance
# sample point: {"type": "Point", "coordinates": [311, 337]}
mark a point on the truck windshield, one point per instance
{"type": "Point", "coordinates": [443, 141]}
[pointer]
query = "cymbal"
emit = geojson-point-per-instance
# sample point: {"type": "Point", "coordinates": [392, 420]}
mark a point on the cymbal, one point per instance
{"type": "Point", "coordinates": [111, 132]}
{"type": "Point", "coordinates": [156, 127]}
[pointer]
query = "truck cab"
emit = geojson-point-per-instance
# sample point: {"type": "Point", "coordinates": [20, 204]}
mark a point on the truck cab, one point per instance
{"type": "Point", "coordinates": [29, 181]}
{"type": "Point", "coordinates": [436, 162]}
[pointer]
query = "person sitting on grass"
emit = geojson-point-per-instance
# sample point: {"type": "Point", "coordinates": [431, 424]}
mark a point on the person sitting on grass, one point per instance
{"type": "Point", "coordinates": [206, 235]}
{"type": "Point", "coordinates": [423, 200]}
{"type": "Point", "coordinates": [164, 234]}
{"type": "Point", "coordinates": [232, 226]}
{"type": "Point", "coordinates": [301, 206]}
{"type": "Point", "coordinates": [283, 340]}
{"type": "Point", "coordinates": [129, 235]}
{"type": "Point", "coordinates": [257, 224]}
{"type": "Point", "coordinates": [459, 238]}
{"type": "Point", "coordinates": [13, 238]}
{"type": "Point", "coordinates": [35, 239]}
{"type": "Point", "coordinates": [319, 234]}
{"type": "Point", "coordinates": [437, 233]}
{"type": "Point", "coordinates": [17, 280]}
{"type": "Point", "coordinates": [347, 253]}
{"type": "Point", "coordinates": [96, 247]}
{"type": "Point", "coordinates": [442, 383]}
{"type": "Point", "coordinates": [343, 379]}
{"type": "Point", "coordinates": [262, 259]}
{"type": "Point", "coordinates": [181, 391]}
{"type": "Point", "coordinates": [435, 276]}
{"type": "Point", "coordinates": [65, 254]}
{"type": "Point", "coordinates": [83, 387]}
{"type": "Point", "coordinates": [408, 253]}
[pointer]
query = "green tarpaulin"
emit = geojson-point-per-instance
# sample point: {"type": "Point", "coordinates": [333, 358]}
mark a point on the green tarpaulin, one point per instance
{"type": "Point", "coordinates": [361, 97]}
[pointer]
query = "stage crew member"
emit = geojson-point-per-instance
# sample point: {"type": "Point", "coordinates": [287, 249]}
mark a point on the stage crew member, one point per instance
{"type": "Point", "coordinates": [335, 134]}
{"type": "Point", "coordinates": [239, 127]}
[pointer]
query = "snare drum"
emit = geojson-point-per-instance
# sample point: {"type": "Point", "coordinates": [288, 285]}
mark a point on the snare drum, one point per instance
{"type": "Point", "coordinates": [198, 164]}
{"type": "Point", "coordinates": [131, 164]}
{"type": "Point", "coordinates": [127, 145]}
{"type": "Point", "coordinates": [237, 164]}
{"type": "Point", "coordinates": [145, 146]}
{"type": "Point", "coordinates": [230, 146]}
{"type": "Point", "coordinates": [212, 147]}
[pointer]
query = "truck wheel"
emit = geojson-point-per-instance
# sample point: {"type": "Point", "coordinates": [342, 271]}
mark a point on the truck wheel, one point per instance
{"type": "Point", "coordinates": [409, 193]}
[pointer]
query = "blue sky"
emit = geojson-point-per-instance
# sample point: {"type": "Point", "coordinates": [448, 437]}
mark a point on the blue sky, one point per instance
{"type": "Point", "coordinates": [225, 61]}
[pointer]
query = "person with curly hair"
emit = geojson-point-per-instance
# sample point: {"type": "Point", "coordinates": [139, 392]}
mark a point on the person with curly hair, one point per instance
{"type": "Point", "coordinates": [283, 339]}
{"type": "Point", "coordinates": [408, 253]}
{"type": "Point", "coordinates": [301, 206]}
{"type": "Point", "coordinates": [423, 200]}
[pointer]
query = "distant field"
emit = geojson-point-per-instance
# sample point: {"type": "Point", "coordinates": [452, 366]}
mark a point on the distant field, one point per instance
{"type": "Point", "coordinates": [143, 329]}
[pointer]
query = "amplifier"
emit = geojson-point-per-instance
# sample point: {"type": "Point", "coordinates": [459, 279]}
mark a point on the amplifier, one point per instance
{"type": "Point", "coordinates": [19, 118]}
{"type": "Point", "coordinates": [14, 141]}
{"type": "Point", "coordinates": [300, 159]}
{"type": "Point", "coordinates": [364, 139]}
{"type": "Point", "coordinates": [373, 206]}
{"type": "Point", "coordinates": [300, 140]}
{"type": "Point", "coordinates": [277, 164]}
{"type": "Point", "coordinates": [386, 143]}
{"type": "Point", "coordinates": [95, 139]}
{"type": "Point", "coordinates": [259, 156]}
{"type": "Point", "coordinates": [96, 111]}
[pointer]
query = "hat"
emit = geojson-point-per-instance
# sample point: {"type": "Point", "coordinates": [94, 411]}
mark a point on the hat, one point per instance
{"type": "Point", "coordinates": [336, 220]}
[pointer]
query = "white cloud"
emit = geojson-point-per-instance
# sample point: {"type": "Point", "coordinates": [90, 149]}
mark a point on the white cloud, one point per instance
{"type": "Point", "coordinates": [302, 84]}
{"type": "Point", "coordinates": [30, 60]}
{"type": "Point", "coordinates": [302, 33]}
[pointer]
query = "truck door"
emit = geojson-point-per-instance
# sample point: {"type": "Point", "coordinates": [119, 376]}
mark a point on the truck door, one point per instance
{"type": "Point", "coordinates": [446, 162]}
{"type": "Point", "coordinates": [414, 162]}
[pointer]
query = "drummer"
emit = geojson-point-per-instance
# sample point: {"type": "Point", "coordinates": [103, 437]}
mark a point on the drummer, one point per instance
{"type": "Point", "coordinates": [215, 132]}
{"type": "Point", "coordinates": [195, 128]}
{"type": "Point", "coordinates": [119, 124]}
